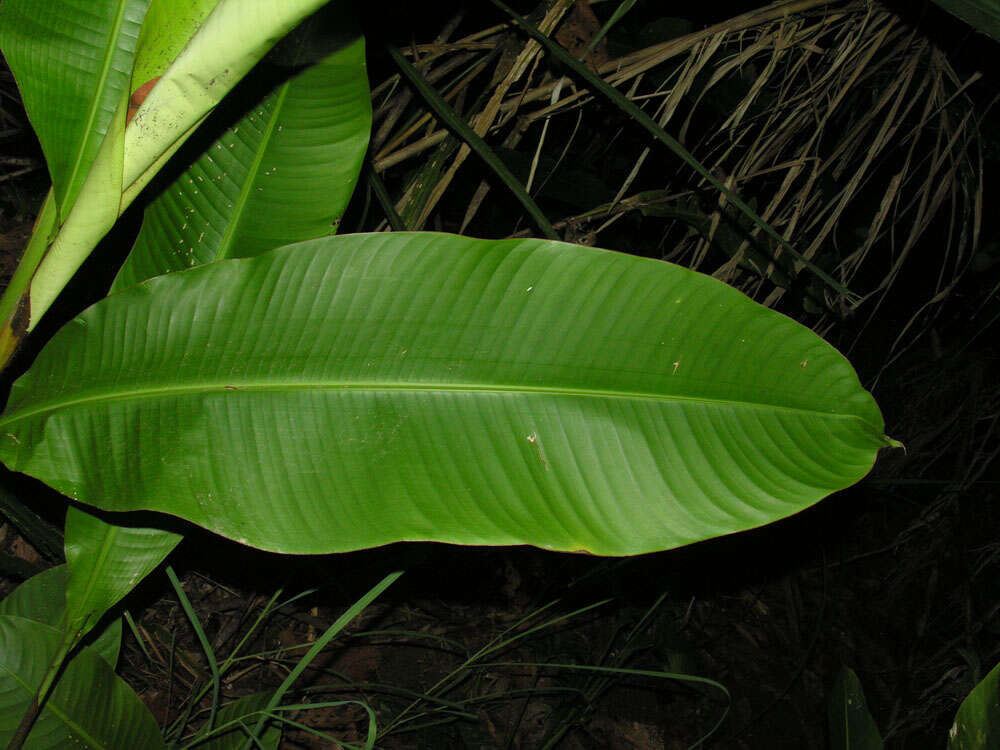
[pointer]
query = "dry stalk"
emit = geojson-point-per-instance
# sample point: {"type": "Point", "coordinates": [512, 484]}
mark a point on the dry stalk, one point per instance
{"type": "Point", "coordinates": [853, 136]}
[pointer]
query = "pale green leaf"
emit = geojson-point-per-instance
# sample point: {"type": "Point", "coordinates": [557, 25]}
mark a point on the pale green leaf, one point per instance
{"type": "Point", "coordinates": [283, 173]}
{"type": "Point", "coordinates": [354, 391]}
{"type": "Point", "coordinates": [225, 46]}
{"type": "Point", "coordinates": [106, 561]}
{"type": "Point", "coordinates": [90, 705]}
{"type": "Point", "coordinates": [166, 30]}
{"type": "Point", "coordinates": [93, 214]}
{"type": "Point", "coordinates": [73, 61]}
{"type": "Point", "coordinates": [42, 598]}
{"type": "Point", "coordinates": [977, 724]}
{"type": "Point", "coordinates": [851, 725]}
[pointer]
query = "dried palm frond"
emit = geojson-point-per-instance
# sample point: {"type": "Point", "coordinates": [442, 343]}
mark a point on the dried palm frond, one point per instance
{"type": "Point", "coordinates": [844, 128]}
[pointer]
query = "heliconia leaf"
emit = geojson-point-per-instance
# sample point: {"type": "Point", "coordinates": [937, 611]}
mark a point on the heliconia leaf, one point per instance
{"type": "Point", "coordinates": [42, 598]}
{"type": "Point", "coordinates": [284, 173]}
{"type": "Point", "coordinates": [105, 561]}
{"type": "Point", "coordinates": [73, 61]}
{"type": "Point", "coordinates": [90, 705]}
{"type": "Point", "coordinates": [851, 725]}
{"type": "Point", "coordinates": [982, 15]}
{"type": "Point", "coordinates": [977, 724]}
{"type": "Point", "coordinates": [352, 391]}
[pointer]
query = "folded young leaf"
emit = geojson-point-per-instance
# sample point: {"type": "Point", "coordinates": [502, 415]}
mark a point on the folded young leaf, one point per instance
{"type": "Point", "coordinates": [283, 173]}
{"type": "Point", "coordinates": [353, 391]}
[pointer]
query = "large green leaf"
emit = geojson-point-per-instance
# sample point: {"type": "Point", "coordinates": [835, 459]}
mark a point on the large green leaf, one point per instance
{"type": "Point", "coordinates": [982, 15]}
{"type": "Point", "coordinates": [73, 61]}
{"type": "Point", "coordinates": [90, 705]}
{"type": "Point", "coordinates": [315, 127]}
{"type": "Point", "coordinates": [977, 724]}
{"type": "Point", "coordinates": [352, 391]}
{"type": "Point", "coordinates": [106, 561]}
{"type": "Point", "coordinates": [283, 173]}
{"type": "Point", "coordinates": [43, 598]}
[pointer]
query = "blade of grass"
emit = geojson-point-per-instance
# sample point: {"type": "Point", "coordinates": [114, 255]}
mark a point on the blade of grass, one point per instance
{"type": "Point", "coordinates": [623, 7]}
{"type": "Point", "coordinates": [384, 201]}
{"type": "Point", "coordinates": [372, 725]}
{"type": "Point", "coordinates": [596, 685]}
{"type": "Point", "coordinates": [460, 673]}
{"type": "Point", "coordinates": [694, 679]}
{"type": "Point", "coordinates": [276, 716]}
{"type": "Point", "coordinates": [622, 102]}
{"type": "Point", "coordinates": [477, 144]}
{"type": "Point", "coordinates": [202, 639]}
{"type": "Point", "coordinates": [353, 611]}
{"type": "Point", "coordinates": [137, 635]}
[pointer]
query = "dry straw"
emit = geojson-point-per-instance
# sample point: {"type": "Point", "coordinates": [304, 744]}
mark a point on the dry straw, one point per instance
{"type": "Point", "coordinates": [853, 136]}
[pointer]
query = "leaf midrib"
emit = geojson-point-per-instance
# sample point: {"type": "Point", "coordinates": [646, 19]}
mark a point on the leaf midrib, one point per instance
{"type": "Point", "coordinates": [235, 387]}
{"type": "Point", "coordinates": [277, 102]}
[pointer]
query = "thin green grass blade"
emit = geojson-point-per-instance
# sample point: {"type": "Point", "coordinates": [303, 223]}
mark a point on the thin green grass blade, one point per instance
{"type": "Point", "coordinates": [213, 665]}
{"type": "Point", "coordinates": [231, 730]}
{"type": "Point", "coordinates": [624, 672]}
{"type": "Point", "coordinates": [623, 7]}
{"type": "Point", "coordinates": [134, 629]}
{"type": "Point", "coordinates": [384, 200]}
{"type": "Point", "coordinates": [328, 635]}
{"type": "Point", "coordinates": [448, 116]}
{"type": "Point", "coordinates": [625, 105]}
